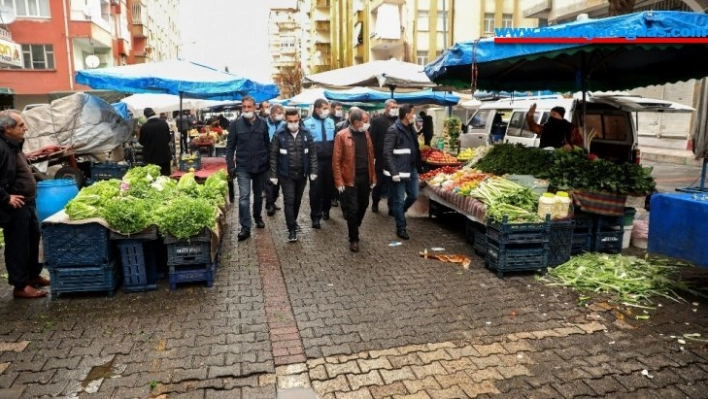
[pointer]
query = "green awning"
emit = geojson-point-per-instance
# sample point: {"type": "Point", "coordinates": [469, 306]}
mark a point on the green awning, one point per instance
{"type": "Point", "coordinates": [7, 91]}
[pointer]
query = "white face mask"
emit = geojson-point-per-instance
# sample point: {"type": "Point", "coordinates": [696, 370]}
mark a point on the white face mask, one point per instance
{"type": "Point", "coordinates": [293, 127]}
{"type": "Point", "coordinates": [365, 127]}
{"type": "Point", "coordinates": [393, 112]}
{"type": "Point", "coordinates": [266, 111]}
{"type": "Point", "coordinates": [339, 113]}
{"type": "Point", "coordinates": [324, 113]}
{"type": "Point", "coordinates": [279, 117]}
{"type": "Point", "coordinates": [248, 115]}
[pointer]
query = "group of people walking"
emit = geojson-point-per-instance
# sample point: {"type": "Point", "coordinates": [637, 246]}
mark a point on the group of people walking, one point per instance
{"type": "Point", "coordinates": [344, 162]}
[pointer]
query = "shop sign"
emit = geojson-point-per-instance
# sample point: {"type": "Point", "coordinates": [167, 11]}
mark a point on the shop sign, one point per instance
{"type": "Point", "coordinates": [10, 53]}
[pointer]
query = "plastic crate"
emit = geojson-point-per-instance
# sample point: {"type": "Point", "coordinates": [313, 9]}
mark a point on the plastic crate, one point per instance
{"type": "Point", "coordinates": [107, 171]}
{"type": "Point", "coordinates": [148, 234]}
{"type": "Point", "coordinates": [609, 223]}
{"type": "Point", "coordinates": [139, 265]}
{"type": "Point", "coordinates": [70, 245]}
{"type": "Point", "coordinates": [584, 222]}
{"type": "Point", "coordinates": [518, 233]}
{"type": "Point", "coordinates": [84, 279]}
{"type": "Point", "coordinates": [191, 274]}
{"type": "Point", "coordinates": [560, 242]}
{"type": "Point", "coordinates": [480, 242]}
{"type": "Point", "coordinates": [582, 242]}
{"type": "Point", "coordinates": [219, 151]}
{"type": "Point", "coordinates": [608, 242]}
{"type": "Point", "coordinates": [194, 251]}
{"type": "Point", "coordinates": [195, 163]}
{"type": "Point", "coordinates": [438, 210]}
{"type": "Point", "coordinates": [516, 258]}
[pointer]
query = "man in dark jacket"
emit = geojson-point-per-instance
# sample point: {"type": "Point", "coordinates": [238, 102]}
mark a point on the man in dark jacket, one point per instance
{"type": "Point", "coordinates": [155, 139]}
{"type": "Point", "coordinates": [18, 212]}
{"type": "Point", "coordinates": [428, 129]}
{"type": "Point", "coordinates": [275, 121]}
{"type": "Point", "coordinates": [248, 141]}
{"type": "Point", "coordinates": [402, 159]}
{"type": "Point", "coordinates": [379, 127]}
{"type": "Point", "coordinates": [185, 123]}
{"type": "Point", "coordinates": [322, 129]}
{"type": "Point", "coordinates": [293, 159]}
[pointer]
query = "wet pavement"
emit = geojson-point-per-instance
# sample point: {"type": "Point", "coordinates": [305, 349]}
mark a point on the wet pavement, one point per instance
{"type": "Point", "coordinates": [381, 323]}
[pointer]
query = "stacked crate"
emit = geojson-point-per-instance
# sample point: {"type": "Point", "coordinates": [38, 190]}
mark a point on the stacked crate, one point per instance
{"type": "Point", "coordinates": [608, 234]}
{"type": "Point", "coordinates": [583, 233]}
{"type": "Point", "coordinates": [560, 242]}
{"type": "Point", "coordinates": [476, 234]}
{"type": "Point", "coordinates": [138, 258]}
{"type": "Point", "coordinates": [108, 171]}
{"type": "Point", "coordinates": [517, 246]}
{"type": "Point", "coordinates": [79, 258]}
{"type": "Point", "coordinates": [190, 260]}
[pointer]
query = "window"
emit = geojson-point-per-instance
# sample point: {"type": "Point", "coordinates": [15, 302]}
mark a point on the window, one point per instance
{"type": "Point", "coordinates": [609, 126]}
{"type": "Point", "coordinates": [287, 42]}
{"type": "Point", "coordinates": [29, 8]}
{"type": "Point", "coordinates": [423, 20]}
{"type": "Point", "coordinates": [443, 21]}
{"type": "Point", "coordinates": [38, 56]}
{"type": "Point", "coordinates": [507, 21]}
{"type": "Point", "coordinates": [488, 23]}
{"type": "Point", "coordinates": [422, 57]}
{"type": "Point", "coordinates": [478, 120]}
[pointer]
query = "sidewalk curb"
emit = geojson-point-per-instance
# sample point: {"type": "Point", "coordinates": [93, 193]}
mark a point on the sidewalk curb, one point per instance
{"type": "Point", "coordinates": [660, 155]}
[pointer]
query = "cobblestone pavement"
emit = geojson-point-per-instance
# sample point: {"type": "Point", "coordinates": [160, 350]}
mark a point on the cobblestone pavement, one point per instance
{"type": "Point", "coordinates": [382, 323]}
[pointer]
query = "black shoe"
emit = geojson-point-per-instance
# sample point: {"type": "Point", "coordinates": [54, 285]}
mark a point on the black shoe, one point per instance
{"type": "Point", "coordinates": [260, 224]}
{"type": "Point", "coordinates": [276, 207]}
{"type": "Point", "coordinates": [354, 246]}
{"type": "Point", "coordinates": [316, 225]}
{"type": "Point", "coordinates": [292, 236]}
{"type": "Point", "coordinates": [390, 212]}
{"type": "Point", "coordinates": [325, 216]}
{"type": "Point", "coordinates": [375, 207]}
{"type": "Point", "coordinates": [297, 227]}
{"type": "Point", "coordinates": [335, 203]}
{"type": "Point", "coordinates": [244, 234]}
{"type": "Point", "coordinates": [270, 210]}
{"type": "Point", "coordinates": [403, 234]}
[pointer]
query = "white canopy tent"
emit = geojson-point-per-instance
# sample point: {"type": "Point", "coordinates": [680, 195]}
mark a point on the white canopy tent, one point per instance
{"type": "Point", "coordinates": [390, 73]}
{"type": "Point", "coordinates": [166, 103]}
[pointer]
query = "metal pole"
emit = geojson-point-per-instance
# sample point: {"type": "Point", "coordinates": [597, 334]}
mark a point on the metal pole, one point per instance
{"type": "Point", "coordinates": [444, 2]}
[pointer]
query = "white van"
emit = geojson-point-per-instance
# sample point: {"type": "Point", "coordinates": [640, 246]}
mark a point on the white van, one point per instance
{"type": "Point", "coordinates": [610, 116]}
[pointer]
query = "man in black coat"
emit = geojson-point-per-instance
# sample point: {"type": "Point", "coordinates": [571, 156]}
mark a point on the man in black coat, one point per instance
{"type": "Point", "coordinates": [379, 127]}
{"type": "Point", "coordinates": [428, 129]}
{"type": "Point", "coordinates": [155, 139]}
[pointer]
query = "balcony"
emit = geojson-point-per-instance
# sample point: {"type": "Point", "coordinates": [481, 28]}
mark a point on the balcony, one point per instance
{"type": "Point", "coordinates": [322, 59]}
{"type": "Point", "coordinates": [322, 3]}
{"type": "Point", "coordinates": [322, 26]}
{"type": "Point", "coordinates": [139, 27]}
{"type": "Point", "coordinates": [141, 58]}
{"type": "Point", "coordinates": [378, 44]}
{"type": "Point", "coordinates": [288, 50]}
{"type": "Point", "coordinates": [286, 25]}
{"type": "Point", "coordinates": [375, 4]}
{"type": "Point", "coordinates": [539, 9]}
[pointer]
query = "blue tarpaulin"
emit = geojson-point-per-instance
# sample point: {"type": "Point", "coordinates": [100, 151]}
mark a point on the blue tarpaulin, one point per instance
{"type": "Point", "coordinates": [565, 67]}
{"type": "Point", "coordinates": [176, 77]}
{"type": "Point", "coordinates": [121, 109]}
{"type": "Point", "coordinates": [375, 96]}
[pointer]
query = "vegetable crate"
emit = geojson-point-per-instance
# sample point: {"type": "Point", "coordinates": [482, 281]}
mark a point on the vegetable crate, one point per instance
{"type": "Point", "coordinates": [438, 210]}
{"type": "Point", "coordinates": [66, 280]}
{"type": "Point", "coordinates": [477, 236]}
{"type": "Point", "coordinates": [560, 242]}
{"type": "Point", "coordinates": [72, 245]}
{"type": "Point", "coordinates": [107, 171]}
{"type": "Point", "coordinates": [520, 257]}
{"type": "Point", "coordinates": [192, 273]}
{"type": "Point", "coordinates": [518, 233]}
{"type": "Point", "coordinates": [139, 265]}
{"type": "Point", "coordinates": [186, 164]}
{"type": "Point", "coordinates": [194, 251]}
{"type": "Point", "coordinates": [608, 242]}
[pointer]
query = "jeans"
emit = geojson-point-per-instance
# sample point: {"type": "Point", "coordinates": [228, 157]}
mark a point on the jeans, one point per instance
{"type": "Point", "coordinates": [293, 189]}
{"type": "Point", "coordinates": [183, 142]}
{"type": "Point", "coordinates": [355, 200]}
{"type": "Point", "coordinates": [321, 190]}
{"type": "Point", "coordinates": [272, 193]}
{"type": "Point", "coordinates": [246, 181]}
{"type": "Point", "coordinates": [22, 246]}
{"type": "Point", "coordinates": [405, 193]}
{"type": "Point", "coordinates": [382, 189]}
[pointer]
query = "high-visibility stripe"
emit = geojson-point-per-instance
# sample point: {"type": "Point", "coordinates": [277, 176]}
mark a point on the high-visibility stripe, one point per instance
{"type": "Point", "coordinates": [283, 151]}
{"type": "Point", "coordinates": [399, 151]}
{"type": "Point", "coordinates": [307, 150]}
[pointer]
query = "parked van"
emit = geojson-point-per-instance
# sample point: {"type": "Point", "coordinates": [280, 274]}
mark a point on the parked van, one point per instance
{"type": "Point", "coordinates": [610, 115]}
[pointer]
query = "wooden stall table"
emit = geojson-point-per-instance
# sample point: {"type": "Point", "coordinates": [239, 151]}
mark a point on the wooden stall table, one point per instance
{"type": "Point", "coordinates": [210, 165]}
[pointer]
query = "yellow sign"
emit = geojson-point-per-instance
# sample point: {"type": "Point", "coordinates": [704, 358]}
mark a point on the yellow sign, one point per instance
{"type": "Point", "coordinates": [10, 53]}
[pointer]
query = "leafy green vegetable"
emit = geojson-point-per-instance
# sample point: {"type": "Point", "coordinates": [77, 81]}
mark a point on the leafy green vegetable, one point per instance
{"type": "Point", "coordinates": [137, 181]}
{"type": "Point", "coordinates": [515, 159]}
{"type": "Point", "coordinates": [185, 217]}
{"type": "Point", "coordinates": [105, 190]}
{"type": "Point", "coordinates": [215, 187]}
{"type": "Point", "coordinates": [129, 215]}
{"type": "Point", "coordinates": [2, 238]}
{"type": "Point", "coordinates": [84, 207]}
{"type": "Point", "coordinates": [188, 185]}
{"type": "Point", "coordinates": [504, 197]}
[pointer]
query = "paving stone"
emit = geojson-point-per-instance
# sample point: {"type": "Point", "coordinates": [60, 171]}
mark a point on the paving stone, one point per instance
{"type": "Point", "coordinates": [391, 376]}
{"type": "Point", "coordinates": [429, 357]}
{"type": "Point", "coordinates": [405, 360]}
{"type": "Point", "coordinates": [349, 367]}
{"type": "Point", "coordinates": [374, 364]}
{"type": "Point", "coordinates": [573, 389]}
{"type": "Point", "coordinates": [474, 390]}
{"type": "Point", "coordinates": [267, 392]}
{"type": "Point", "coordinates": [605, 385]}
{"type": "Point", "coordinates": [331, 385]}
{"type": "Point", "coordinates": [388, 390]}
{"type": "Point", "coordinates": [449, 393]}
{"type": "Point", "coordinates": [418, 395]}
{"type": "Point", "coordinates": [363, 393]}
{"type": "Point", "coordinates": [357, 381]}
{"type": "Point", "coordinates": [293, 381]}
{"type": "Point", "coordinates": [413, 386]}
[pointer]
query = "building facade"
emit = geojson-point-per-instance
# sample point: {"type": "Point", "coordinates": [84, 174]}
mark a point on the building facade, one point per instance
{"type": "Point", "coordinates": [59, 37]}
{"type": "Point", "coordinates": [288, 41]}
{"type": "Point", "coordinates": [666, 130]}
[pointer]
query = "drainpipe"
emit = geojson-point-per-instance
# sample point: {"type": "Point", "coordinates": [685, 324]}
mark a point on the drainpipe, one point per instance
{"type": "Point", "coordinates": [68, 47]}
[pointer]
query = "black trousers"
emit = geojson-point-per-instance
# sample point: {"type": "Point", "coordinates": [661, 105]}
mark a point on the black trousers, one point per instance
{"type": "Point", "coordinates": [293, 189]}
{"type": "Point", "coordinates": [382, 188]}
{"type": "Point", "coordinates": [355, 200]}
{"type": "Point", "coordinates": [272, 192]}
{"type": "Point", "coordinates": [321, 190]}
{"type": "Point", "coordinates": [165, 168]}
{"type": "Point", "coordinates": [22, 246]}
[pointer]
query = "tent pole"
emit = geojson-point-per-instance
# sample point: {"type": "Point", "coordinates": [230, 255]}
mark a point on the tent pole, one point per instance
{"type": "Point", "coordinates": [584, 89]}
{"type": "Point", "coordinates": [180, 122]}
{"type": "Point", "coordinates": [392, 88]}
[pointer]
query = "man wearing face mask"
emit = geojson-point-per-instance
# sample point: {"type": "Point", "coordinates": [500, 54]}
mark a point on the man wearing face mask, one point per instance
{"type": "Point", "coordinates": [264, 109]}
{"type": "Point", "coordinates": [293, 159]}
{"type": "Point", "coordinates": [248, 140]}
{"type": "Point", "coordinates": [275, 121]}
{"type": "Point", "coordinates": [337, 116]}
{"type": "Point", "coordinates": [402, 158]}
{"type": "Point", "coordinates": [379, 127]}
{"type": "Point", "coordinates": [354, 173]}
{"type": "Point", "coordinates": [322, 129]}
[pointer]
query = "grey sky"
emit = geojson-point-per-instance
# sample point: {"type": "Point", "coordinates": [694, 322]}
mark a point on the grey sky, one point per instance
{"type": "Point", "coordinates": [231, 33]}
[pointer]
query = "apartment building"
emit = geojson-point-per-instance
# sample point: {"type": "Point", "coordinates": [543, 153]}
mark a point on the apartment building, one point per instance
{"type": "Point", "coordinates": [154, 30]}
{"type": "Point", "coordinates": [289, 39]}
{"type": "Point", "coordinates": [655, 129]}
{"type": "Point", "coordinates": [52, 39]}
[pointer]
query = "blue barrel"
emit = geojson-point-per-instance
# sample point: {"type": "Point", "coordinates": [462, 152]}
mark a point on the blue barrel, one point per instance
{"type": "Point", "coordinates": [53, 195]}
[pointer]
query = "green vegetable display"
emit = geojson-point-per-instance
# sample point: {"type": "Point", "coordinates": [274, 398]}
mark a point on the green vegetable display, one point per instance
{"type": "Point", "coordinates": [129, 215]}
{"type": "Point", "coordinates": [629, 280]}
{"type": "Point", "coordinates": [188, 185]}
{"type": "Point", "coordinates": [515, 159]}
{"type": "Point", "coordinates": [2, 238]}
{"type": "Point", "coordinates": [504, 197]}
{"type": "Point", "coordinates": [84, 207]}
{"type": "Point", "coordinates": [137, 181]}
{"type": "Point", "coordinates": [185, 217]}
{"type": "Point", "coordinates": [216, 187]}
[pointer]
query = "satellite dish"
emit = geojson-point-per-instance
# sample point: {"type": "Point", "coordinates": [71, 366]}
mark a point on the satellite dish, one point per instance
{"type": "Point", "coordinates": [7, 15]}
{"type": "Point", "coordinates": [92, 61]}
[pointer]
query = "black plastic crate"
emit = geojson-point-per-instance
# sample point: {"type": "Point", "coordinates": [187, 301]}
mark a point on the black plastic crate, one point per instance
{"type": "Point", "coordinates": [195, 163]}
{"type": "Point", "coordinates": [191, 274]}
{"type": "Point", "coordinates": [608, 223]}
{"type": "Point", "coordinates": [438, 210]}
{"type": "Point", "coordinates": [193, 251]}
{"type": "Point", "coordinates": [608, 242]}
{"type": "Point", "coordinates": [518, 233]}
{"type": "Point", "coordinates": [582, 242]}
{"type": "Point", "coordinates": [524, 257]}
{"type": "Point", "coordinates": [584, 222]}
{"type": "Point", "coordinates": [85, 279]}
{"type": "Point", "coordinates": [560, 242]}
{"type": "Point", "coordinates": [148, 234]}
{"type": "Point", "coordinates": [139, 265]}
{"type": "Point", "coordinates": [219, 151]}
{"type": "Point", "coordinates": [70, 245]}
{"type": "Point", "coordinates": [472, 229]}
{"type": "Point", "coordinates": [108, 171]}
